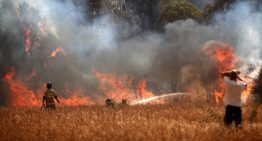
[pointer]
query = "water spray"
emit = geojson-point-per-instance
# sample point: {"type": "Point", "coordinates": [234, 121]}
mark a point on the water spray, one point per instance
{"type": "Point", "coordinates": [155, 98]}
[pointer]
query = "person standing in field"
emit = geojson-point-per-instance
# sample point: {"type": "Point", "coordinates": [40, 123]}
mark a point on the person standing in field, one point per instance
{"type": "Point", "coordinates": [49, 96]}
{"type": "Point", "coordinates": [233, 88]}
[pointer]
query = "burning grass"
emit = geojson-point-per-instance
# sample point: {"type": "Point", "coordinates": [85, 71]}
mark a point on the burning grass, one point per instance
{"type": "Point", "coordinates": [148, 122]}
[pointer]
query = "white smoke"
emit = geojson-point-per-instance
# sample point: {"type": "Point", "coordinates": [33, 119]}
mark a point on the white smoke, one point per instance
{"type": "Point", "coordinates": [169, 59]}
{"type": "Point", "coordinates": [245, 20]}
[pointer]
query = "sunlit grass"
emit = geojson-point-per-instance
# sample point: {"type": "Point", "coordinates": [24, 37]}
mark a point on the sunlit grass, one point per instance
{"type": "Point", "coordinates": [156, 122]}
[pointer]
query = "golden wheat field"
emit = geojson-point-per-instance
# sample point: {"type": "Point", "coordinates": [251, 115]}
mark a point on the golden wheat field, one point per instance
{"type": "Point", "coordinates": [198, 122]}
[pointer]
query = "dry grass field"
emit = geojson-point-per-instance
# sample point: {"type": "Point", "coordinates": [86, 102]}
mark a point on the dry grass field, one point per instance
{"type": "Point", "coordinates": [150, 122]}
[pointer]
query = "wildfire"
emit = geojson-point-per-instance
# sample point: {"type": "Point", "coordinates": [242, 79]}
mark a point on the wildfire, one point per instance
{"type": "Point", "coordinates": [76, 98]}
{"type": "Point", "coordinates": [220, 92]}
{"type": "Point", "coordinates": [142, 89]}
{"type": "Point", "coordinates": [122, 87]}
{"type": "Point", "coordinates": [27, 33]}
{"type": "Point", "coordinates": [246, 93]}
{"type": "Point", "coordinates": [223, 55]}
{"type": "Point", "coordinates": [20, 94]}
{"type": "Point", "coordinates": [28, 28]}
{"type": "Point", "coordinates": [56, 51]}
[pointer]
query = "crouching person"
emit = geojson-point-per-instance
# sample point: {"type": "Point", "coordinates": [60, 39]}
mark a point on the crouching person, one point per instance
{"type": "Point", "coordinates": [233, 88]}
{"type": "Point", "coordinates": [110, 102]}
{"type": "Point", "coordinates": [49, 96]}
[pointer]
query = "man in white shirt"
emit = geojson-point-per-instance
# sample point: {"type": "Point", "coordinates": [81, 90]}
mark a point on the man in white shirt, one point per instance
{"type": "Point", "coordinates": [233, 88]}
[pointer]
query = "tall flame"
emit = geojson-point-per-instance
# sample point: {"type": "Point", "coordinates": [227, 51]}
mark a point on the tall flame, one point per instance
{"type": "Point", "coordinates": [20, 94]}
{"type": "Point", "coordinates": [28, 27]}
{"type": "Point", "coordinates": [122, 87]}
{"type": "Point", "coordinates": [247, 92]}
{"type": "Point", "coordinates": [223, 55]}
{"type": "Point", "coordinates": [142, 89]}
{"type": "Point", "coordinates": [27, 32]}
{"type": "Point", "coordinates": [76, 98]}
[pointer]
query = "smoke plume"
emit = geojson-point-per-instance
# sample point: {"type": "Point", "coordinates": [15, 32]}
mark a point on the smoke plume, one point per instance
{"type": "Point", "coordinates": [170, 61]}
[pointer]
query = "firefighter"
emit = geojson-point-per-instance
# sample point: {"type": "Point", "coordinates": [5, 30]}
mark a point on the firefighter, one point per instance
{"type": "Point", "coordinates": [110, 102]}
{"type": "Point", "coordinates": [233, 87]}
{"type": "Point", "coordinates": [124, 101]}
{"type": "Point", "coordinates": [49, 96]}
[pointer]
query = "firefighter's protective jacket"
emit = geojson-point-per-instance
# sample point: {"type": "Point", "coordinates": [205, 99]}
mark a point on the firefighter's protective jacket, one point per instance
{"type": "Point", "coordinates": [49, 97]}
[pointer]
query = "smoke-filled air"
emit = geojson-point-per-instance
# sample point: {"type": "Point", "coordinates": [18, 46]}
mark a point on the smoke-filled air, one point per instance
{"type": "Point", "coordinates": [130, 70]}
{"type": "Point", "coordinates": [122, 49]}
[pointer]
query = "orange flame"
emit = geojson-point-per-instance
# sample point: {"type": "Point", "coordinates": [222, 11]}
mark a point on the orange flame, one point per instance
{"type": "Point", "coordinates": [20, 94]}
{"type": "Point", "coordinates": [27, 32]}
{"type": "Point", "coordinates": [247, 92]}
{"type": "Point", "coordinates": [27, 28]}
{"type": "Point", "coordinates": [56, 51]}
{"type": "Point", "coordinates": [223, 55]}
{"type": "Point", "coordinates": [142, 89]}
{"type": "Point", "coordinates": [121, 87]}
{"type": "Point", "coordinates": [220, 92]}
{"type": "Point", "coordinates": [76, 98]}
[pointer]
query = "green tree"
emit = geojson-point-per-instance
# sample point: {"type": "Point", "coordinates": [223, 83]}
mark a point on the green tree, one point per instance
{"type": "Point", "coordinates": [172, 10]}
